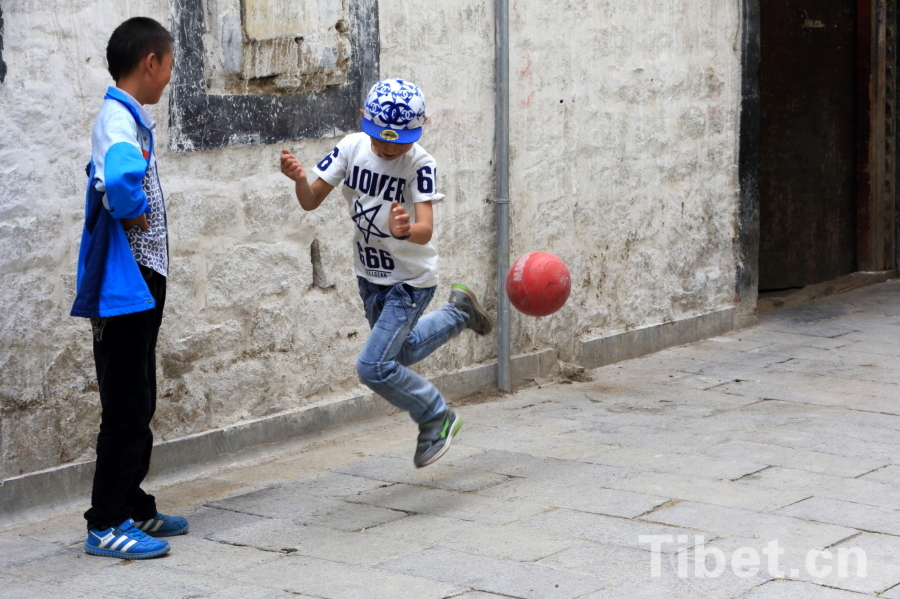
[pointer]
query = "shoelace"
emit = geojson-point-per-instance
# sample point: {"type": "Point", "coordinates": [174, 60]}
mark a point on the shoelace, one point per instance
{"type": "Point", "coordinates": [135, 533]}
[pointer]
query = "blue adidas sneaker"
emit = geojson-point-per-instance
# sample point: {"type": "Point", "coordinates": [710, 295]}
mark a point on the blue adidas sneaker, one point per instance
{"type": "Point", "coordinates": [163, 526]}
{"type": "Point", "coordinates": [123, 541]}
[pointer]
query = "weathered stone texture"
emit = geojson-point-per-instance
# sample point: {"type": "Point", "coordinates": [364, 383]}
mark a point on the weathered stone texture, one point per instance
{"type": "Point", "coordinates": [623, 129]}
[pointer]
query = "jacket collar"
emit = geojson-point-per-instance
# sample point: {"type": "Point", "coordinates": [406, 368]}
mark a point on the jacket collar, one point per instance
{"type": "Point", "coordinates": [136, 108]}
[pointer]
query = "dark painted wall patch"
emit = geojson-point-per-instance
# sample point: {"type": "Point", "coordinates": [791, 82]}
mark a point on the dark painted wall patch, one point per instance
{"type": "Point", "coordinates": [2, 64]}
{"type": "Point", "coordinates": [199, 120]}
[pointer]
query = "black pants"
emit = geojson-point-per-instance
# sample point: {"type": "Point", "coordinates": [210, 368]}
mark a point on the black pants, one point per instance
{"type": "Point", "coordinates": [125, 356]}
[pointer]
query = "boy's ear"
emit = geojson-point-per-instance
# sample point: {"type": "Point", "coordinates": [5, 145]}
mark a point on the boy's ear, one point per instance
{"type": "Point", "coordinates": [146, 65]}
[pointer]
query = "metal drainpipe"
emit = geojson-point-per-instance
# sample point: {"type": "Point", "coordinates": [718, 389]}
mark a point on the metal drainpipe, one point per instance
{"type": "Point", "coordinates": [501, 185]}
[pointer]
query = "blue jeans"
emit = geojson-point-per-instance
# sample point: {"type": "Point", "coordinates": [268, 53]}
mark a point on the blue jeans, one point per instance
{"type": "Point", "coordinates": [400, 338]}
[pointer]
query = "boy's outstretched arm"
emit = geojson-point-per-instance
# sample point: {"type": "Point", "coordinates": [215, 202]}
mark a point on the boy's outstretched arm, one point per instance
{"type": "Point", "coordinates": [420, 231]}
{"type": "Point", "coordinates": [309, 196]}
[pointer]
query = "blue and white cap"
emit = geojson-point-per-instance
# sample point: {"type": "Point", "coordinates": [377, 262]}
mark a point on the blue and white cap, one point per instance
{"type": "Point", "coordinates": [394, 111]}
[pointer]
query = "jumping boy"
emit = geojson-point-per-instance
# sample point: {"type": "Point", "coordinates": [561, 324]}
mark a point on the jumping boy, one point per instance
{"type": "Point", "coordinates": [122, 268]}
{"type": "Point", "coordinates": [384, 172]}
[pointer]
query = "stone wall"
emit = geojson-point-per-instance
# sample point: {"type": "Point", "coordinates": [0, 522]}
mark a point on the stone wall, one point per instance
{"type": "Point", "coordinates": [624, 135]}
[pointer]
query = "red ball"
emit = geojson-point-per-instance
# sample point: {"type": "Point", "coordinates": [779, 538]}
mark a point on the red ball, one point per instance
{"type": "Point", "coordinates": [538, 284]}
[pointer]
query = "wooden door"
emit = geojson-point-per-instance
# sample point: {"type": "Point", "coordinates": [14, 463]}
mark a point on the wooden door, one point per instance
{"type": "Point", "coordinates": [808, 141]}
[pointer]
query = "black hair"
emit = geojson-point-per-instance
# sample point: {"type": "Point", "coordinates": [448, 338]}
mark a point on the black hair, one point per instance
{"type": "Point", "coordinates": [134, 40]}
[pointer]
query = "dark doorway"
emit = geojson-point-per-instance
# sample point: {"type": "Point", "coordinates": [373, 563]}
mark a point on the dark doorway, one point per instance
{"type": "Point", "coordinates": [808, 177]}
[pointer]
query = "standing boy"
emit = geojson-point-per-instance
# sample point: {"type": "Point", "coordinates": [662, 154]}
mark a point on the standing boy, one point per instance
{"type": "Point", "coordinates": [122, 268]}
{"type": "Point", "coordinates": [384, 172]}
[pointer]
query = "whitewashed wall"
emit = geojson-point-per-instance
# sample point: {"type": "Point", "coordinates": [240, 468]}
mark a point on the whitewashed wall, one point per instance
{"type": "Point", "coordinates": [624, 137]}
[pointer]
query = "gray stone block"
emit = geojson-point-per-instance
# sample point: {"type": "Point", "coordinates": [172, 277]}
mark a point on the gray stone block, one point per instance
{"type": "Point", "coordinates": [792, 338]}
{"type": "Point", "coordinates": [314, 541]}
{"type": "Point", "coordinates": [590, 498]}
{"type": "Point", "coordinates": [54, 567]}
{"type": "Point", "coordinates": [844, 513]}
{"type": "Point", "coordinates": [605, 529]}
{"type": "Point", "coordinates": [501, 542]}
{"type": "Point", "coordinates": [322, 578]}
{"type": "Point", "coordinates": [144, 580]}
{"type": "Point", "coordinates": [639, 460]}
{"type": "Point", "coordinates": [209, 555]}
{"type": "Point", "coordinates": [437, 502]}
{"type": "Point", "coordinates": [438, 476]}
{"type": "Point", "coordinates": [524, 465]}
{"type": "Point", "coordinates": [334, 484]}
{"type": "Point", "coordinates": [505, 439]}
{"type": "Point", "coordinates": [817, 392]}
{"type": "Point", "coordinates": [857, 490]}
{"type": "Point", "coordinates": [838, 568]}
{"type": "Point", "coordinates": [744, 523]}
{"type": "Point", "coordinates": [724, 492]}
{"type": "Point", "coordinates": [208, 520]}
{"type": "Point", "coordinates": [787, 457]}
{"type": "Point", "coordinates": [287, 503]}
{"type": "Point", "coordinates": [783, 589]}
{"type": "Point", "coordinates": [512, 579]}
{"type": "Point", "coordinates": [630, 570]}
{"type": "Point", "coordinates": [889, 475]}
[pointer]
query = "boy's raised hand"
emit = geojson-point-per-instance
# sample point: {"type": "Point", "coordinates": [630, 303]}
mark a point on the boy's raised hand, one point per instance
{"type": "Point", "coordinates": [398, 220]}
{"type": "Point", "coordinates": [291, 167]}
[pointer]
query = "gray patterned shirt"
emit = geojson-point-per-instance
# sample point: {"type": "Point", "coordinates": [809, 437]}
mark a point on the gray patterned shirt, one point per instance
{"type": "Point", "coordinates": [151, 247]}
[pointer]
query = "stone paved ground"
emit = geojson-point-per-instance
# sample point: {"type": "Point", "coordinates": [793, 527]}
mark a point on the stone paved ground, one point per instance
{"type": "Point", "coordinates": [788, 433]}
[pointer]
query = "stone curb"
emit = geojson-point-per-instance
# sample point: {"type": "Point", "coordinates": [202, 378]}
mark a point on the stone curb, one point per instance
{"type": "Point", "coordinates": [647, 340]}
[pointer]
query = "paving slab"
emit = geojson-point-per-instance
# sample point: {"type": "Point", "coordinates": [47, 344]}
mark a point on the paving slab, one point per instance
{"type": "Point", "coordinates": [636, 459]}
{"type": "Point", "coordinates": [746, 523]}
{"type": "Point", "coordinates": [209, 556]}
{"type": "Point", "coordinates": [507, 439]}
{"type": "Point", "coordinates": [504, 542]}
{"type": "Point", "coordinates": [863, 564]}
{"type": "Point", "coordinates": [889, 475]}
{"type": "Point", "coordinates": [287, 503]}
{"type": "Point", "coordinates": [798, 339]}
{"type": "Point", "coordinates": [611, 531]}
{"type": "Point", "coordinates": [844, 513]}
{"type": "Point", "coordinates": [412, 499]}
{"type": "Point", "coordinates": [814, 461]}
{"type": "Point", "coordinates": [333, 580]}
{"type": "Point", "coordinates": [271, 537]}
{"type": "Point", "coordinates": [141, 580]}
{"type": "Point", "coordinates": [783, 589]}
{"type": "Point", "coordinates": [524, 465]}
{"type": "Point", "coordinates": [863, 490]}
{"type": "Point", "coordinates": [441, 476]}
{"type": "Point", "coordinates": [719, 492]}
{"type": "Point", "coordinates": [528, 581]}
{"type": "Point", "coordinates": [579, 497]}
{"type": "Point", "coordinates": [786, 387]}
{"type": "Point", "coordinates": [620, 567]}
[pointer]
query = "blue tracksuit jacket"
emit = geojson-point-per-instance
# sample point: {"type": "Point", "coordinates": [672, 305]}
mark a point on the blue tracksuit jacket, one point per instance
{"type": "Point", "coordinates": [109, 279]}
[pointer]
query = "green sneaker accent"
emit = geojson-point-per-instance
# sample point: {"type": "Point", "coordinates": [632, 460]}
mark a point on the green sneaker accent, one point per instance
{"type": "Point", "coordinates": [435, 438]}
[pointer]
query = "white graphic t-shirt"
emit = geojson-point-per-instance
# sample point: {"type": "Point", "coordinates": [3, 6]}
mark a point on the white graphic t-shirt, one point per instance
{"type": "Point", "coordinates": [370, 185]}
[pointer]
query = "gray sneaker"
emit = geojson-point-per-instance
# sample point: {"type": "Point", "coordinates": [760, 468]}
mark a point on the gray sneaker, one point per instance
{"type": "Point", "coordinates": [435, 438]}
{"type": "Point", "coordinates": [462, 298]}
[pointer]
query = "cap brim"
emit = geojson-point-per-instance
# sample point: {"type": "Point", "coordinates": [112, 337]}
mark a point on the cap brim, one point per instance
{"type": "Point", "coordinates": [394, 136]}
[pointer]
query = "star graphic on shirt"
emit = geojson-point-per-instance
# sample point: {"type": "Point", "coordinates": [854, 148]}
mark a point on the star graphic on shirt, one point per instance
{"type": "Point", "coordinates": [365, 220]}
